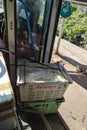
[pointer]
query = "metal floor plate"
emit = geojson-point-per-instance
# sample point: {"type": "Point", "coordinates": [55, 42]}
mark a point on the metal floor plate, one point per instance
{"type": "Point", "coordinates": [37, 121]}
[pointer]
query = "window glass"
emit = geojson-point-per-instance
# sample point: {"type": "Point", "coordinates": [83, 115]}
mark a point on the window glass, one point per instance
{"type": "Point", "coordinates": [30, 16]}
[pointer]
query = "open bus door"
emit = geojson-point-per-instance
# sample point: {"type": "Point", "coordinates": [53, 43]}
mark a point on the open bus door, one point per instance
{"type": "Point", "coordinates": [30, 30]}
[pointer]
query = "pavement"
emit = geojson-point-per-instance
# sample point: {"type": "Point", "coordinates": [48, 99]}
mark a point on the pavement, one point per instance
{"type": "Point", "coordinates": [74, 109]}
{"type": "Point", "coordinates": [72, 53]}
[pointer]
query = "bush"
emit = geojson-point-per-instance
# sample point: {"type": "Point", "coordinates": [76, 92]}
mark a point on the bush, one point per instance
{"type": "Point", "coordinates": [74, 25]}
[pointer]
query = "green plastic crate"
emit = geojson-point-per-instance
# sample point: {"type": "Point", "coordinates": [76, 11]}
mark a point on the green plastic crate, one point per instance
{"type": "Point", "coordinates": [46, 106]}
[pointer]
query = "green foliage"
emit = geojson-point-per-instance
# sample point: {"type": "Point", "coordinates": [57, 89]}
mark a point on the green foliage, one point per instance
{"type": "Point", "coordinates": [74, 8]}
{"type": "Point", "coordinates": [75, 24]}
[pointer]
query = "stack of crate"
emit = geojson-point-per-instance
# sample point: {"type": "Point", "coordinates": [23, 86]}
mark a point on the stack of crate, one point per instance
{"type": "Point", "coordinates": [8, 118]}
{"type": "Point", "coordinates": [41, 87]}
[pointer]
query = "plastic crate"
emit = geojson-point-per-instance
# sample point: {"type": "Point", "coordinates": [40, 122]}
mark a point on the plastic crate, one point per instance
{"type": "Point", "coordinates": [35, 88]}
{"type": "Point", "coordinates": [46, 107]}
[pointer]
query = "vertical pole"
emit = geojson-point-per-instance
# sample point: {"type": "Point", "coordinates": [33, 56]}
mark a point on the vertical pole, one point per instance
{"type": "Point", "coordinates": [10, 6]}
{"type": "Point", "coordinates": [60, 35]}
